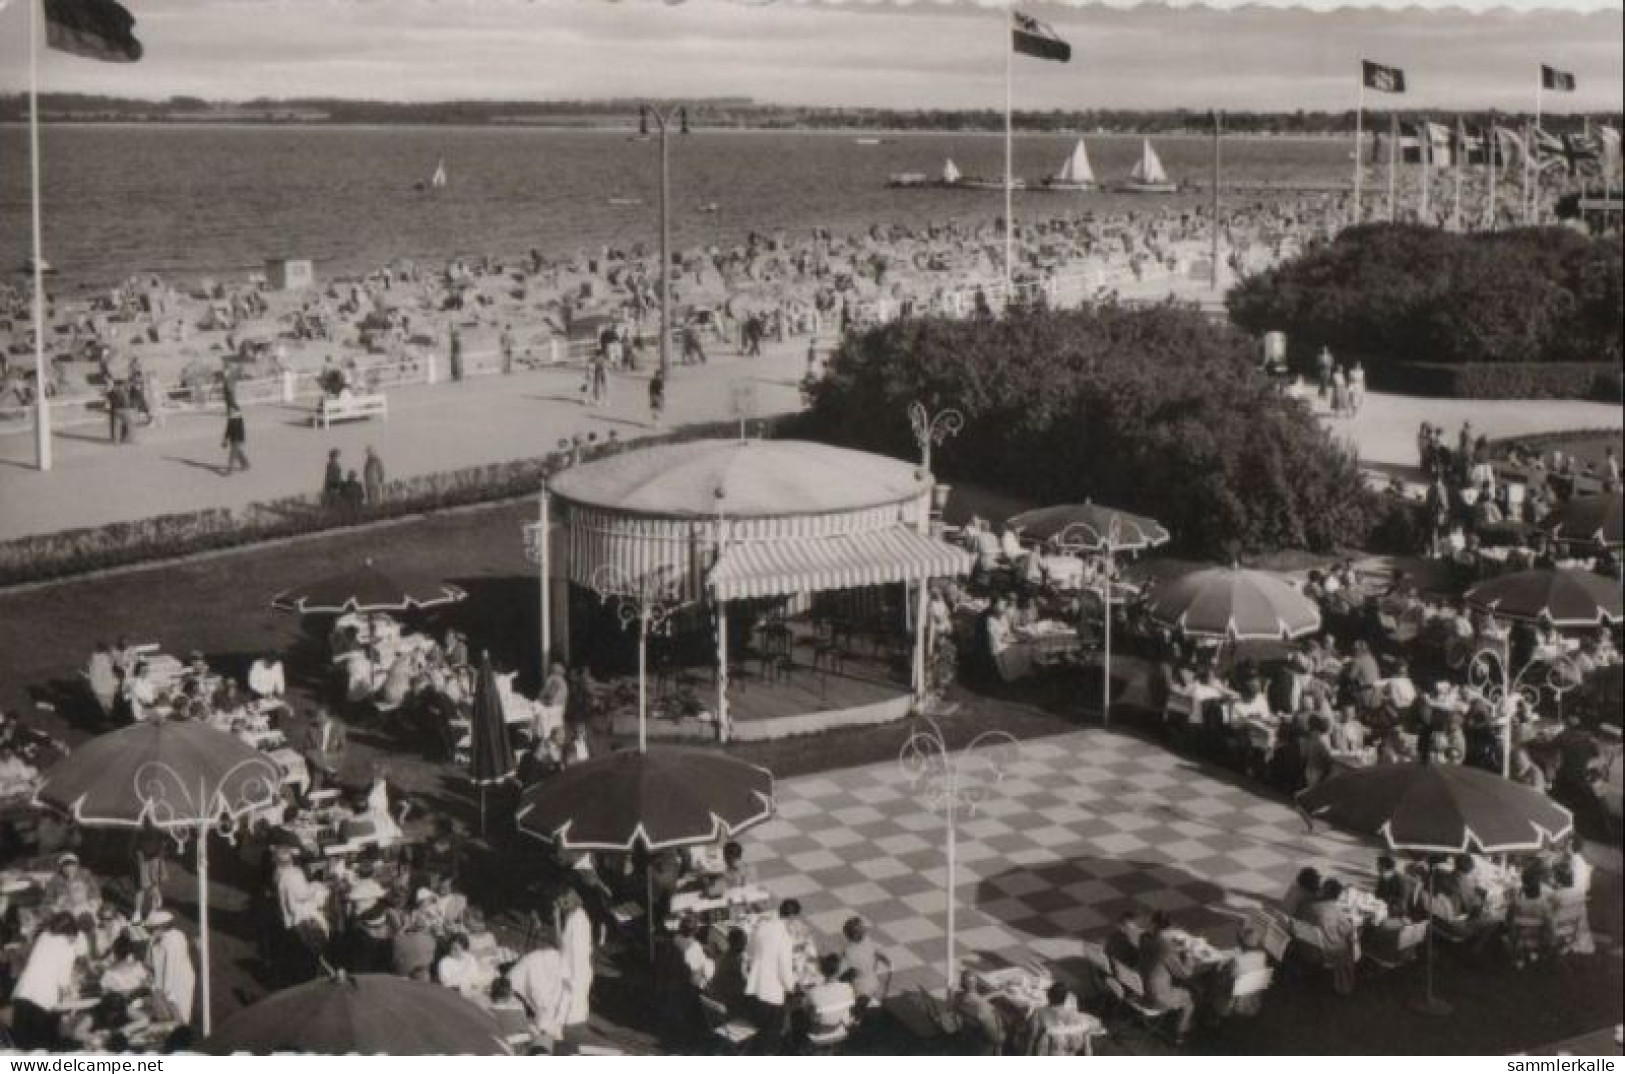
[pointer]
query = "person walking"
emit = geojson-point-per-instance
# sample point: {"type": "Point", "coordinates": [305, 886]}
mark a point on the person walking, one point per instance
{"type": "Point", "coordinates": [236, 436]}
{"type": "Point", "coordinates": [600, 381]}
{"type": "Point", "coordinates": [456, 361]}
{"type": "Point", "coordinates": [332, 479]}
{"type": "Point", "coordinates": [372, 477]}
{"type": "Point", "coordinates": [657, 398]}
{"type": "Point", "coordinates": [505, 345]}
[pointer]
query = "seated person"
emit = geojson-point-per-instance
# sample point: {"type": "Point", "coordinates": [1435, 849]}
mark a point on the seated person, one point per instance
{"type": "Point", "coordinates": [1010, 545]}
{"type": "Point", "coordinates": [1305, 888]}
{"type": "Point", "coordinates": [1404, 895]}
{"type": "Point", "coordinates": [513, 1020]}
{"type": "Point", "coordinates": [1342, 938]}
{"type": "Point", "coordinates": [1348, 733]}
{"type": "Point", "coordinates": [1249, 958]}
{"type": "Point", "coordinates": [1163, 971]}
{"type": "Point", "coordinates": [1530, 916]}
{"type": "Point", "coordinates": [73, 891]}
{"type": "Point", "coordinates": [1011, 657]}
{"type": "Point", "coordinates": [1457, 892]}
{"type": "Point", "coordinates": [861, 963]}
{"type": "Point", "coordinates": [127, 974]}
{"type": "Point", "coordinates": [981, 1029]}
{"type": "Point", "coordinates": [101, 677]}
{"type": "Point", "coordinates": [1123, 945]}
{"type": "Point", "coordinates": [830, 1002]}
{"type": "Point", "coordinates": [17, 776]}
{"type": "Point", "coordinates": [1057, 1028]}
{"type": "Point", "coordinates": [727, 985]}
{"type": "Point", "coordinates": [355, 673]}
{"type": "Point", "coordinates": [461, 971]}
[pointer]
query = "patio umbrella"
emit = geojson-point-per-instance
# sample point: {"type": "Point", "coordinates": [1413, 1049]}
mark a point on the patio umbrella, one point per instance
{"type": "Point", "coordinates": [490, 752]}
{"type": "Point", "coordinates": [179, 777]}
{"type": "Point", "coordinates": [365, 589]}
{"type": "Point", "coordinates": [1232, 604]}
{"type": "Point", "coordinates": [1593, 519]}
{"type": "Point", "coordinates": [656, 799]}
{"type": "Point", "coordinates": [1564, 596]}
{"type": "Point", "coordinates": [368, 1014]}
{"type": "Point", "coordinates": [1089, 527]}
{"type": "Point", "coordinates": [1438, 809]}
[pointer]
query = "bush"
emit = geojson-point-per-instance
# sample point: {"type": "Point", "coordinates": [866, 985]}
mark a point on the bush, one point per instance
{"type": "Point", "coordinates": [122, 544]}
{"type": "Point", "coordinates": [1154, 410]}
{"type": "Point", "coordinates": [1503, 380]}
{"type": "Point", "coordinates": [1394, 293]}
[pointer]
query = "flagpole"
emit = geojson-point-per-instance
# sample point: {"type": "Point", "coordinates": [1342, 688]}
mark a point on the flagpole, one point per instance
{"type": "Point", "coordinates": [1009, 163]}
{"type": "Point", "coordinates": [1213, 277]}
{"type": "Point", "coordinates": [1393, 160]}
{"type": "Point", "coordinates": [1359, 146]}
{"type": "Point", "coordinates": [1528, 169]}
{"type": "Point", "coordinates": [42, 405]}
{"type": "Point", "coordinates": [1532, 210]}
{"type": "Point", "coordinates": [1460, 164]}
{"type": "Point", "coordinates": [1424, 155]}
{"type": "Point", "coordinates": [1492, 151]}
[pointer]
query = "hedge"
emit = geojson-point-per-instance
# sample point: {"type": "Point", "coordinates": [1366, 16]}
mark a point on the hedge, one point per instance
{"type": "Point", "coordinates": [123, 544]}
{"type": "Point", "coordinates": [1600, 381]}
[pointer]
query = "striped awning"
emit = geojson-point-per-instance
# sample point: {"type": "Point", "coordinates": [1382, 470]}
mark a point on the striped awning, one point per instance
{"type": "Point", "coordinates": [811, 564]}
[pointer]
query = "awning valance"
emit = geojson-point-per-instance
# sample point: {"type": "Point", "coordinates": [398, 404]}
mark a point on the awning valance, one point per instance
{"type": "Point", "coordinates": [779, 568]}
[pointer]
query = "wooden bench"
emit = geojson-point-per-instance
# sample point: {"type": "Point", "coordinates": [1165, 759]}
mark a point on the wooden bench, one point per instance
{"type": "Point", "coordinates": [353, 408]}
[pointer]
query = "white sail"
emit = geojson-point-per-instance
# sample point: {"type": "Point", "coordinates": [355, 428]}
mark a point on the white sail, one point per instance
{"type": "Point", "coordinates": [1076, 171]}
{"type": "Point", "coordinates": [950, 174]}
{"type": "Point", "coordinates": [1148, 169]}
{"type": "Point", "coordinates": [438, 179]}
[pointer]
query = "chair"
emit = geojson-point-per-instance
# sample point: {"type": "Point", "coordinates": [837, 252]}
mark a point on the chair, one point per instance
{"type": "Point", "coordinates": [734, 1034]}
{"type": "Point", "coordinates": [1567, 926]}
{"type": "Point", "coordinates": [836, 1028]}
{"type": "Point", "coordinates": [1272, 926]}
{"type": "Point", "coordinates": [1130, 995]}
{"type": "Point", "coordinates": [1247, 993]}
{"type": "Point", "coordinates": [1408, 938]}
{"type": "Point", "coordinates": [1309, 943]}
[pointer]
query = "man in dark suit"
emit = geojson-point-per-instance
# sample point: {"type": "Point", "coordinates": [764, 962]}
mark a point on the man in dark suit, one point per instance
{"type": "Point", "coordinates": [324, 744]}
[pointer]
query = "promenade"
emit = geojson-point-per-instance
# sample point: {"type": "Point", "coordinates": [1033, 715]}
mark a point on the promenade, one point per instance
{"type": "Point", "coordinates": [430, 428]}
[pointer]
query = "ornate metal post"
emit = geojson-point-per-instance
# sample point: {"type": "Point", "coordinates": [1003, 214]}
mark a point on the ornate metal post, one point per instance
{"type": "Point", "coordinates": [649, 600]}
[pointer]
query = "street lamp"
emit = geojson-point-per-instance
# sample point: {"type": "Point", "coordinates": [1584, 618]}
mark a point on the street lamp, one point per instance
{"type": "Point", "coordinates": [956, 784]}
{"type": "Point", "coordinates": [1489, 672]}
{"type": "Point", "coordinates": [663, 121]}
{"type": "Point", "coordinates": [649, 600]}
{"type": "Point", "coordinates": [930, 429]}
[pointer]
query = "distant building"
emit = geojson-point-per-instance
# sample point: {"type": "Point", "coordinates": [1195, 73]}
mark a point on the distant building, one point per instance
{"type": "Point", "coordinates": [288, 274]}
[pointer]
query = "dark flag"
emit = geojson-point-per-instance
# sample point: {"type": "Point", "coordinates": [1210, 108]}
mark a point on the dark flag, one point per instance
{"type": "Point", "coordinates": [1553, 79]}
{"type": "Point", "coordinates": [94, 29]}
{"type": "Point", "coordinates": [1033, 38]}
{"type": "Point", "coordinates": [1579, 151]}
{"type": "Point", "coordinates": [1548, 151]}
{"type": "Point", "coordinates": [1382, 78]}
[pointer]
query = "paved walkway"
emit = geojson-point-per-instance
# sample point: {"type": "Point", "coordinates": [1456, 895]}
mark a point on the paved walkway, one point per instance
{"type": "Point", "coordinates": [1082, 826]}
{"type": "Point", "coordinates": [434, 428]}
{"type": "Point", "coordinates": [1384, 430]}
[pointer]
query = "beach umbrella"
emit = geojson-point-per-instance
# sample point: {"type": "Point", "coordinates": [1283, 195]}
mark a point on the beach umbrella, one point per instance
{"type": "Point", "coordinates": [365, 589]}
{"type": "Point", "coordinates": [1232, 604]}
{"type": "Point", "coordinates": [367, 1014]}
{"type": "Point", "coordinates": [1593, 519]}
{"type": "Point", "coordinates": [1090, 527]}
{"type": "Point", "coordinates": [1563, 596]}
{"type": "Point", "coordinates": [657, 799]}
{"type": "Point", "coordinates": [183, 778]}
{"type": "Point", "coordinates": [490, 753]}
{"type": "Point", "coordinates": [1437, 809]}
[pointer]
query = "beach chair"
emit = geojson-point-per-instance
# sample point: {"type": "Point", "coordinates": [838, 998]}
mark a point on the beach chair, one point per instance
{"type": "Point", "coordinates": [734, 1035]}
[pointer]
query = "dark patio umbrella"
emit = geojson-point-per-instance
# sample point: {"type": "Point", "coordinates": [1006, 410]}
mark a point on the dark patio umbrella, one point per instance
{"type": "Point", "coordinates": [1593, 519]}
{"type": "Point", "coordinates": [184, 778]}
{"type": "Point", "coordinates": [665, 798]}
{"type": "Point", "coordinates": [365, 589]}
{"type": "Point", "coordinates": [1565, 596]}
{"type": "Point", "coordinates": [490, 753]}
{"type": "Point", "coordinates": [1232, 604]}
{"type": "Point", "coordinates": [368, 1014]}
{"type": "Point", "coordinates": [1437, 809]}
{"type": "Point", "coordinates": [1089, 526]}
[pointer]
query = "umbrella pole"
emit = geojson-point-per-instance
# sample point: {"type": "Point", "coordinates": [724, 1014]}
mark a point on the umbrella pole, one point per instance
{"type": "Point", "coordinates": [1106, 663]}
{"type": "Point", "coordinates": [1430, 1004]}
{"type": "Point", "coordinates": [643, 682]}
{"type": "Point", "coordinates": [482, 811]}
{"type": "Point", "coordinates": [203, 921]}
{"type": "Point", "coordinates": [649, 895]}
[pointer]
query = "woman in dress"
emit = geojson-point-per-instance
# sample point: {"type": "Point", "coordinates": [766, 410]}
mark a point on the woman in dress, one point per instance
{"type": "Point", "coordinates": [388, 830]}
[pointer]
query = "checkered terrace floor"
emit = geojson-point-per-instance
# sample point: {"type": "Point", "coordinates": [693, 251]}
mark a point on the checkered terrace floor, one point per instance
{"type": "Point", "coordinates": [1081, 827]}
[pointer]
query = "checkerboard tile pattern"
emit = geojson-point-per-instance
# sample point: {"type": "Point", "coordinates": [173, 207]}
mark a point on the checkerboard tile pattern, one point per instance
{"type": "Point", "coordinates": [1081, 827]}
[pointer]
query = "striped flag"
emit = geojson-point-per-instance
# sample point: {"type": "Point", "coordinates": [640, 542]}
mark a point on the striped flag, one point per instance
{"type": "Point", "coordinates": [1548, 151]}
{"type": "Point", "coordinates": [94, 29]}
{"type": "Point", "coordinates": [1381, 77]}
{"type": "Point", "coordinates": [1034, 38]}
{"type": "Point", "coordinates": [1553, 79]}
{"type": "Point", "coordinates": [1509, 145]}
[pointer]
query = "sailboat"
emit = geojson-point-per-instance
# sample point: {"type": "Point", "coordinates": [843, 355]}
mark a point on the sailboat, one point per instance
{"type": "Point", "coordinates": [950, 173]}
{"type": "Point", "coordinates": [436, 181]}
{"type": "Point", "coordinates": [1148, 176]}
{"type": "Point", "coordinates": [1075, 173]}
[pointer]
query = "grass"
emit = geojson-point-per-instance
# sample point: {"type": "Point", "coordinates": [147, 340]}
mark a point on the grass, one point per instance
{"type": "Point", "coordinates": [220, 605]}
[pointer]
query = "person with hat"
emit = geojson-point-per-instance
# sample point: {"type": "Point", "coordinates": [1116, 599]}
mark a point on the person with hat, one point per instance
{"type": "Point", "coordinates": [45, 985]}
{"type": "Point", "coordinates": [302, 905]}
{"type": "Point", "coordinates": [538, 980]}
{"type": "Point", "coordinates": [173, 977]}
{"type": "Point", "coordinates": [73, 891]}
{"type": "Point", "coordinates": [427, 913]}
{"type": "Point", "coordinates": [576, 946]}
{"type": "Point", "coordinates": [325, 741]}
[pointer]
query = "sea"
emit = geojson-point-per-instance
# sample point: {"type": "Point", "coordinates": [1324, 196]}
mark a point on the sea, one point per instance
{"type": "Point", "coordinates": [193, 202]}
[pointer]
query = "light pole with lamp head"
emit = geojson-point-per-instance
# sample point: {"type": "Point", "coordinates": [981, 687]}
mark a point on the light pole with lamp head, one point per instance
{"type": "Point", "coordinates": [1490, 674]}
{"type": "Point", "coordinates": [929, 429]}
{"type": "Point", "coordinates": [663, 121]}
{"type": "Point", "coordinates": [649, 600]}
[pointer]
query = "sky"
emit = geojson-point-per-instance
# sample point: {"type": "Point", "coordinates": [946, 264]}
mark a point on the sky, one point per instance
{"type": "Point", "coordinates": [863, 53]}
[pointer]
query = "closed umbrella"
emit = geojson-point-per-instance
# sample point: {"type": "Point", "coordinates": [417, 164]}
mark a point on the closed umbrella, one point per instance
{"type": "Point", "coordinates": [1563, 596]}
{"type": "Point", "coordinates": [1090, 527]}
{"type": "Point", "coordinates": [1233, 604]}
{"type": "Point", "coordinates": [1438, 809]}
{"type": "Point", "coordinates": [1593, 519]}
{"type": "Point", "coordinates": [179, 777]}
{"type": "Point", "coordinates": [365, 589]}
{"type": "Point", "coordinates": [367, 1014]}
{"type": "Point", "coordinates": [490, 753]}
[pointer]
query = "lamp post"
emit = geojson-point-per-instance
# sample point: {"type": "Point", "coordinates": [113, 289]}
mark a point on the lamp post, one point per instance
{"type": "Point", "coordinates": [956, 784]}
{"type": "Point", "coordinates": [649, 600]}
{"type": "Point", "coordinates": [930, 429]}
{"type": "Point", "coordinates": [1084, 538]}
{"type": "Point", "coordinates": [1489, 672]}
{"type": "Point", "coordinates": [663, 121]}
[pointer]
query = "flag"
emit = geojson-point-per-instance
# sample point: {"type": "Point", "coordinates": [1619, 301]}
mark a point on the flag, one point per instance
{"type": "Point", "coordinates": [94, 29]}
{"type": "Point", "coordinates": [1580, 150]}
{"type": "Point", "coordinates": [1548, 151]}
{"type": "Point", "coordinates": [1608, 149]}
{"type": "Point", "coordinates": [1509, 145]}
{"type": "Point", "coordinates": [1439, 142]}
{"type": "Point", "coordinates": [1033, 38]}
{"type": "Point", "coordinates": [1382, 78]}
{"type": "Point", "coordinates": [1553, 79]}
{"type": "Point", "coordinates": [1466, 143]}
